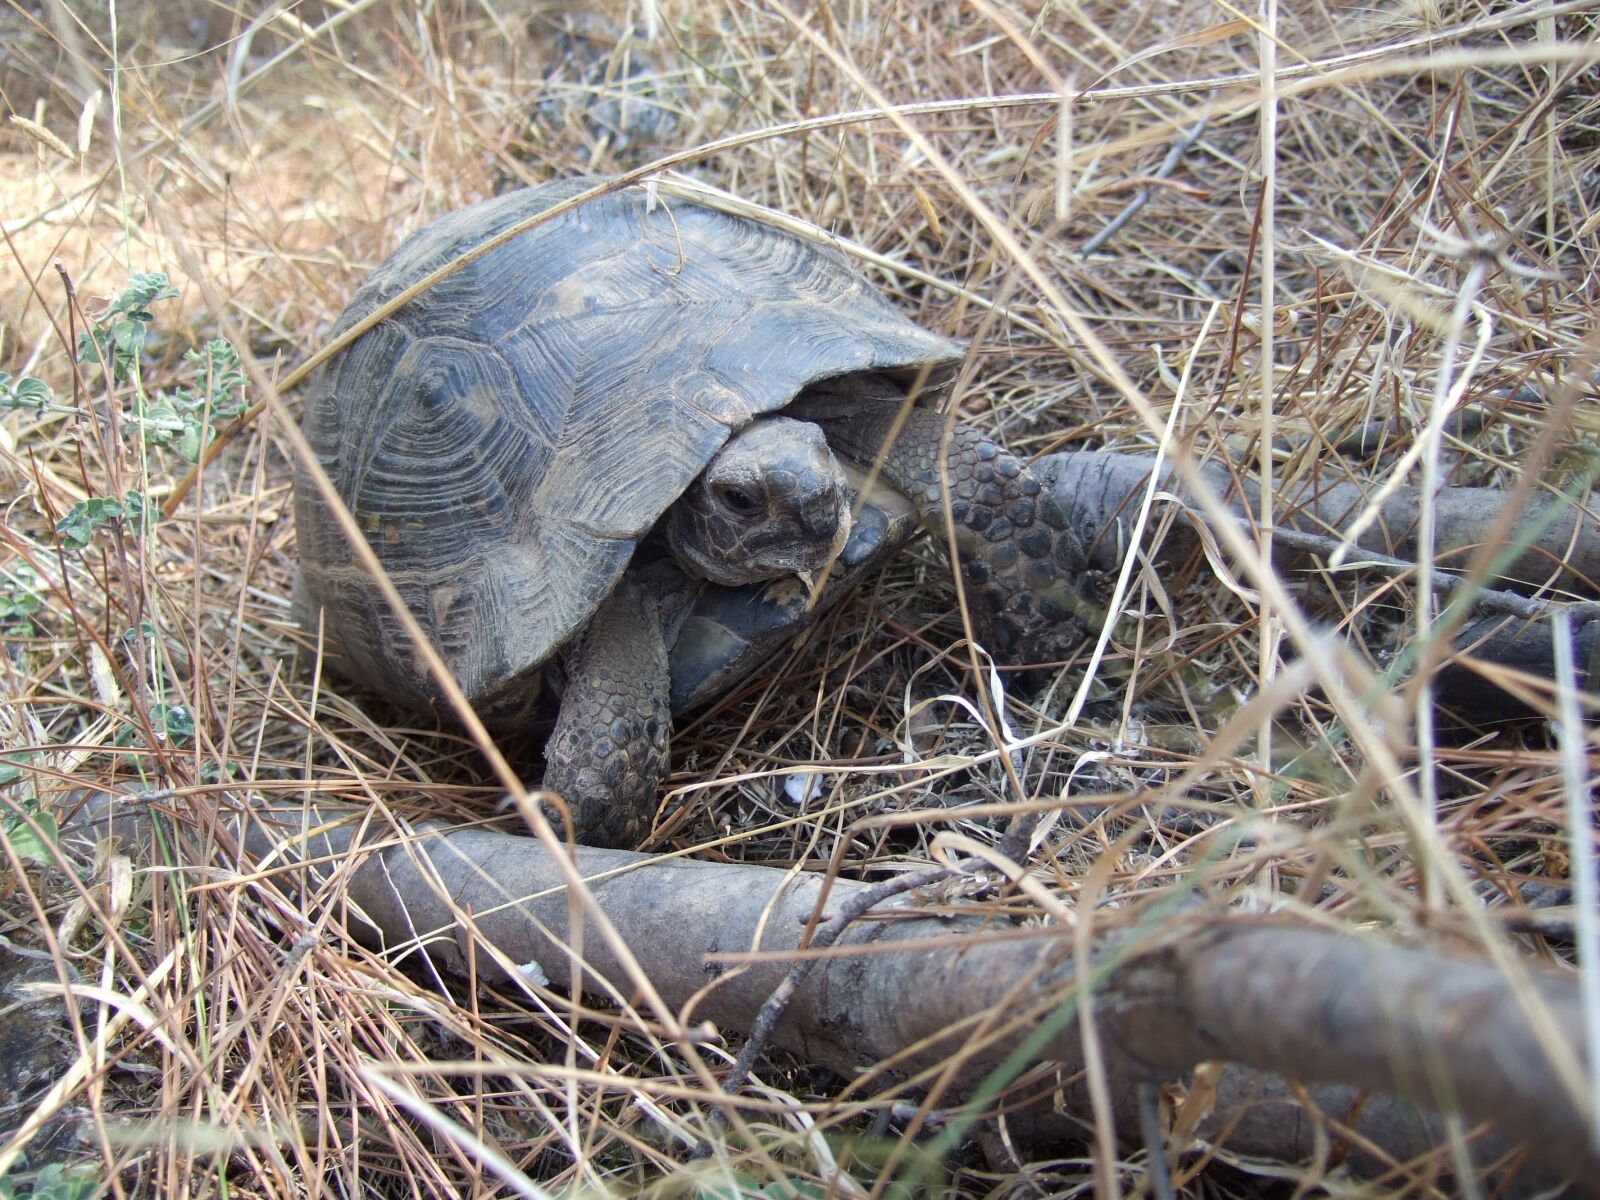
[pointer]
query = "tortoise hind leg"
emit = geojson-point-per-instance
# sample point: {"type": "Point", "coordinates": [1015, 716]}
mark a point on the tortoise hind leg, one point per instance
{"type": "Point", "coordinates": [608, 753]}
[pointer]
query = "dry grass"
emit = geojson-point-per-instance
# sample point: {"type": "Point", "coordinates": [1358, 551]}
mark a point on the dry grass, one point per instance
{"type": "Point", "coordinates": [268, 169]}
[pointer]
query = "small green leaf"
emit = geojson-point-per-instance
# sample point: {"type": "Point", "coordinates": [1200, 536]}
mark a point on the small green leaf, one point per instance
{"type": "Point", "coordinates": [802, 1187]}
{"type": "Point", "coordinates": [161, 422]}
{"type": "Point", "coordinates": [174, 723]}
{"type": "Point", "coordinates": [213, 772]}
{"type": "Point", "coordinates": [218, 374]}
{"type": "Point", "coordinates": [19, 596]}
{"type": "Point", "coordinates": [734, 1185]}
{"type": "Point", "coordinates": [193, 441]}
{"type": "Point", "coordinates": [76, 529]}
{"type": "Point", "coordinates": [53, 1181]}
{"type": "Point", "coordinates": [144, 289]}
{"type": "Point", "coordinates": [94, 346]}
{"type": "Point", "coordinates": [31, 832]}
{"type": "Point", "coordinates": [26, 392]}
{"type": "Point", "coordinates": [11, 767]}
{"type": "Point", "coordinates": [33, 842]}
{"type": "Point", "coordinates": [140, 515]}
{"type": "Point", "coordinates": [34, 391]}
{"type": "Point", "coordinates": [146, 627]}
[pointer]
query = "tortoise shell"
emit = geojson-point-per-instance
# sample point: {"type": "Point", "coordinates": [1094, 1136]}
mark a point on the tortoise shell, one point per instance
{"type": "Point", "coordinates": [506, 438]}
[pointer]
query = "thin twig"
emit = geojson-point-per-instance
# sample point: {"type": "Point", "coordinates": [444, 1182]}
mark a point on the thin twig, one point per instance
{"type": "Point", "coordinates": [1486, 599]}
{"type": "Point", "coordinates": [1168, 165]}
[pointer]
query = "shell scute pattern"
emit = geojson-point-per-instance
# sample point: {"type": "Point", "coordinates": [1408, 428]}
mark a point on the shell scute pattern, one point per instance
{"type": "Point", "coordinates": [444, 442]}
{"type": "Point", "coordinates": [337, 432]}
{"type": "Point", "coordinates": [461, 301]}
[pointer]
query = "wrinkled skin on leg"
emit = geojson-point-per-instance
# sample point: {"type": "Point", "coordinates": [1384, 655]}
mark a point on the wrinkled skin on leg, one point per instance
{"type": "Point", "coordinates": [1021, 559]}
{"type": "Point", "coordinates": [608, 753]}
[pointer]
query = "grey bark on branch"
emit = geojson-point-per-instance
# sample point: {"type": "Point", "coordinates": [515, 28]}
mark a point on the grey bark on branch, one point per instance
{"type": "Point", "coordinates": [1104, 486]}
{"type": "Point", "coordinates": [1343, 1013]}
{"type": "Point", "coordinates": [1102, 491]}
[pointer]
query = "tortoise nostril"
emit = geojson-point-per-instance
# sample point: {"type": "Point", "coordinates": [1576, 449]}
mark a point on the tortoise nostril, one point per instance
{"type": "Point", "coordinates": [820, 516]}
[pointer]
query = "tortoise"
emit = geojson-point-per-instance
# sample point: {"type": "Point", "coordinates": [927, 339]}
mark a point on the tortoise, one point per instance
{"type": "Point", "coordinates": [606, 455]}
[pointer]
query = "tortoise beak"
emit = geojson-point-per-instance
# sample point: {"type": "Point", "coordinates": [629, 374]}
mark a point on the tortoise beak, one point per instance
{"type": "Point", "coordinates": [814, 580]}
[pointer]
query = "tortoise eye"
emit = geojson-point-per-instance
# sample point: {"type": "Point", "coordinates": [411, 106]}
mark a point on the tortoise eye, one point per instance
{"type": "Point", "coordinates": [737, 500]}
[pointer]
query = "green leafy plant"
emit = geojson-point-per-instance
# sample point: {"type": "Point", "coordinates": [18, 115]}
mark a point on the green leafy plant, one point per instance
{"type": "Point", "coordinates": [11, 768]}
{"type": "Point", "coordinates": [120, 332]}
{"type": "Point", "coordinates": [53, 1181]}
{"type": "Point", "coordinates": [19, 599]}
{"type": "Point", "coordinates": [185, 417]}
{"type": "Point", "coordinates": [28, 828]}
{"type": "Point", "coordinates": [173, 725]}
{"type": "Point", "coordinates": [76, 529]}
{"type": "Point", "coordinates": [31, 831]}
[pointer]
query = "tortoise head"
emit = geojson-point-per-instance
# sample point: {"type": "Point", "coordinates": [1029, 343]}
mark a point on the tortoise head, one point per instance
{"type": "Point", "coordinates": [773, 502]}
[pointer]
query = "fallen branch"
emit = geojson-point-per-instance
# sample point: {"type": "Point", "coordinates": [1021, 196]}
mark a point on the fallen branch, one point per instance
{"type": "Point", "coordinates": [1512, 631]}
{"type": "Point", "coordinates": [947, 999]}
{"type": "Point", "coordinates": [1565, 554]}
